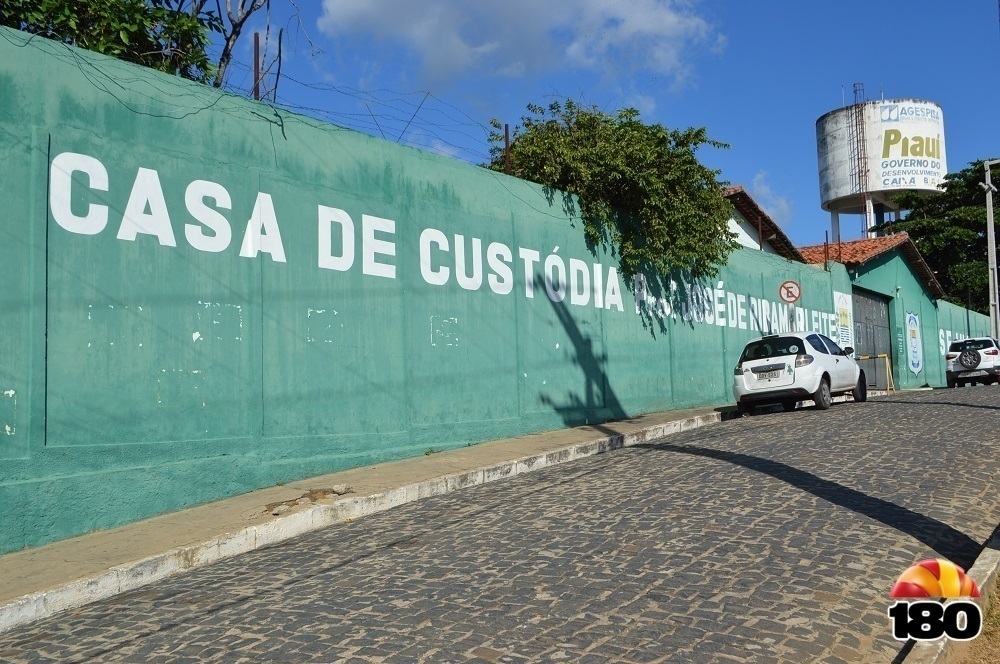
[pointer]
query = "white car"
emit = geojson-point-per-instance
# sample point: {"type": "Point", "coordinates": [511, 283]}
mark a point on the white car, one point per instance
{"type": "Point", "coordinates": [974, 360]}
{"type": "Point", "coordinates": [795, 366]}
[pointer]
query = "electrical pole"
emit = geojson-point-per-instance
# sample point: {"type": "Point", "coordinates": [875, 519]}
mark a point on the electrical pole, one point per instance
{"type": "Point", "coordinates": [991, 249]}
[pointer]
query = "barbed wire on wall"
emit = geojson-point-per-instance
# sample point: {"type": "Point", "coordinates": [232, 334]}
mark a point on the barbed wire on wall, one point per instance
{"type": "Point", "coordinates": [437, 126]}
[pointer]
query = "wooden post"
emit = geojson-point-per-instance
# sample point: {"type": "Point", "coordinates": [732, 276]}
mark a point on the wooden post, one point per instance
{"type": "Point", "coordinates": [256, 66]}
{"type": "Point", "coordinates": [506, 147]}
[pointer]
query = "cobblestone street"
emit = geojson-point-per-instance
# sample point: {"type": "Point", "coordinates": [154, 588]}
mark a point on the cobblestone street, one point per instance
{"type": "Point", "coordinates": [771, 537]}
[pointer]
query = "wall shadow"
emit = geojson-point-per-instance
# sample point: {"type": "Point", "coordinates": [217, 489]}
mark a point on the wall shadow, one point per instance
{"type": "Point", "coordinates": [935, 403]}
{"type": "Point", "coordinates": [946, 541]}
{"type": "Point", "coordinates": [666, 297]}
{"type": "Point", "coordinates": [597, 401]}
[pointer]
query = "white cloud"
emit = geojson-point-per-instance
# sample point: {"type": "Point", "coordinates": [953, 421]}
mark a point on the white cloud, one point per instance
{"type": "Point", "coordinates": [645, 104]}
{"type": "Point", "coordinates": [444, 149]}
{"type": "Point", "coordinates": [452, 38]}
{"type": "Point", "coordinates": [777, 207]}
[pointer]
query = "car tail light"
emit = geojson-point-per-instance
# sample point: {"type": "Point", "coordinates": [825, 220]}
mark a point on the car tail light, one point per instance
{"type": "Point", "coordinates": [802, 360]}
{"type": "Point", "coordinates": [739, 370]}
{"type": "Point", "coordinates": [991, 351]}
{"type": "Point", "coordinates": [952, 356]}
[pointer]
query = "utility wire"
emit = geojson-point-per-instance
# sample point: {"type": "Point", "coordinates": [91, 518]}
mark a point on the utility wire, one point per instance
{"type": "Point", "coordinates": [374, 118]}
{"type": "Point", "coordinates": [413, 116]}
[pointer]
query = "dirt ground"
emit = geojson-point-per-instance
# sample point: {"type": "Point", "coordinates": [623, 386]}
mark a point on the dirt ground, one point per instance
{"type": "Point", "coordinates": [986, 648]}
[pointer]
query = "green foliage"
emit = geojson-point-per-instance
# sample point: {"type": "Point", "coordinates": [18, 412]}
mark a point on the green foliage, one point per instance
{"type": "Point", "coordinates": [950, 230]}
{"type": "Point", "coordinates": [160, 34]}
{"type": "Point", "coordinates": [640, 187]}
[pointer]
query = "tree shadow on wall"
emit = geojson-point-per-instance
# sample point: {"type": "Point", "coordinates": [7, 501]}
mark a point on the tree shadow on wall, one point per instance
{"type": "Point", "coordinates": [666, 297]}
{"type": "Point", "coordinates": [946, 541]}
{"type": "Point", "coordinates": [596, 402]}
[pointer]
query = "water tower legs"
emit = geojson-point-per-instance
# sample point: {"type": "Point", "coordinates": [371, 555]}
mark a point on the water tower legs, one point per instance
{"type": "Point", "coordinates": [834, 226]}
{"type": "Point", "coordinates": [867, 222]}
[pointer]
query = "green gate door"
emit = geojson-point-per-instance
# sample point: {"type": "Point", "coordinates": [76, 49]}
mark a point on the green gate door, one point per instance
{"type": "Point", "coordinates": [871, 336]}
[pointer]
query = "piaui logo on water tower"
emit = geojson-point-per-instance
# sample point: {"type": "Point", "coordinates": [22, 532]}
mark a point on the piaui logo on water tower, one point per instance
{"type": "Point", "coordinates": [911, 146]}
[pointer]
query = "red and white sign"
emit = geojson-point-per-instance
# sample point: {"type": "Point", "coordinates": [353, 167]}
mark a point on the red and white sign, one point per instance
{"type": "Point", "coordinates": [790, 292]}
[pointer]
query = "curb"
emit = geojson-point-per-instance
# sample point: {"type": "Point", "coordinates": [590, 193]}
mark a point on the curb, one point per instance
{"type": "Point", "coordinates": [123, 578]}
{"type": "Point", "coordinates": [985, 571]}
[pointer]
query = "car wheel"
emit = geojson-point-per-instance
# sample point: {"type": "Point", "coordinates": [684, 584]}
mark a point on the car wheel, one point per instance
{"type": "Point", "coordinates": [788, 406]}
{"type": "Point", "coordinates": [969, 358]}
{"type": "Point", "coordinates": [951, 382]}
{"type": "Point", "coordinates": [822, 397]}
{"type": "Point", "coordinates": [860, 391]}
{"type": "Point", "coordinates": [743, 409]}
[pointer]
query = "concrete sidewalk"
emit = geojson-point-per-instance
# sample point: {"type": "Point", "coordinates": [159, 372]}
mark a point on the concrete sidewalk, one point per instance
{"type": "Point", "coordinates": [40, 582]}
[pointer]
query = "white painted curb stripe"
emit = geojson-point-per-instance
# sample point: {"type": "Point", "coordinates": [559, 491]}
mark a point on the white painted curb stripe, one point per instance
{"type": "Point", "coordinates": [130, 576]}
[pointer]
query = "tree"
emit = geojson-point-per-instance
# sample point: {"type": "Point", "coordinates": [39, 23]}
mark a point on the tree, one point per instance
{"type": "Point", "coordinates": [949, 229]}
{"type": "Point", "coordinates": [161, 34]}
{"type": "Point", "coordinates": [238, 15]}
{"type": "Point", "coordinates": [168, 35]}
{"type": "Point", "coordinates": [641, 189]}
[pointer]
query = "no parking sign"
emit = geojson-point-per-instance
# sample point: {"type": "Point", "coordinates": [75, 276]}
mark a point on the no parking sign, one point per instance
{"type": "Point", "coordinates": [790, 292]}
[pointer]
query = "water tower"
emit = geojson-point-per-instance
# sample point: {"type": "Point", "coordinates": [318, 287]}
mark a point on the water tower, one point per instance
{"type": "Point", "coordinates": [874, 149]}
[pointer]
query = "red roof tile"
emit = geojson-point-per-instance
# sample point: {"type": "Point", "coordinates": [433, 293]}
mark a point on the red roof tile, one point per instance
{"type": "Point", "coordinates": [854, 251]}
{"type": "Point", "coordinates": [859, 252]}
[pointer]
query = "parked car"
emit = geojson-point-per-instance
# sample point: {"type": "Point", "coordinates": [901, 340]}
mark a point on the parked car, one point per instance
{"type": "Point", "coordinates": [972, 361]}
{"type": "Point", "coordinates": [795, 366]}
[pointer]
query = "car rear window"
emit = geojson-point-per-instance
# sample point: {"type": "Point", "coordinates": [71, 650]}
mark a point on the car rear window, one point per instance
{"type": "Point", "coordinates": [970, 344]}
{"type": "Point", "coordinates": [772, 347]}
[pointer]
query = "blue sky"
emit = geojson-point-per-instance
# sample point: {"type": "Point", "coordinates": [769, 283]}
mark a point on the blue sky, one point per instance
{"type": "Point", "coordinates": [757, 74]}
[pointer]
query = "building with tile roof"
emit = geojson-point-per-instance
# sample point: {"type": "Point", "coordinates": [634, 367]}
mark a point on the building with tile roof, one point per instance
{"type": "Point", "coordinates": [887, 300]}
{"type": "Point", "coordinates": [855, 254]}
{"type": "Point", "coordinates": [897, 309]}
{"type": "Point", "coordinates": [755, 229]}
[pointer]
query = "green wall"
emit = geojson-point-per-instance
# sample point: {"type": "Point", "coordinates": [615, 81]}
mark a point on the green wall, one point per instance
{"type": "Point", "coordinates": [204, 295]}
{"type": "Point", "coordinates": [956, 323]}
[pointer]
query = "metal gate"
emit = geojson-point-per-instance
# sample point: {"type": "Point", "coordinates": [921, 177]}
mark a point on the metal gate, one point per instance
{"type": "Point", "coordinates": [872, 337]}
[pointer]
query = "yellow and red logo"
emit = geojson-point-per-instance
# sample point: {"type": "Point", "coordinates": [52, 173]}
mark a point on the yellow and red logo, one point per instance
{"type": "Point", "coordinates": [934, 578]}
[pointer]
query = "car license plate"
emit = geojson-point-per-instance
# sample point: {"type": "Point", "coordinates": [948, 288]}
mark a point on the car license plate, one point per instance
{"type": "Point", "coordinates": [769, 374]}
{"type": "Point", "coordinates": [968, 374]}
